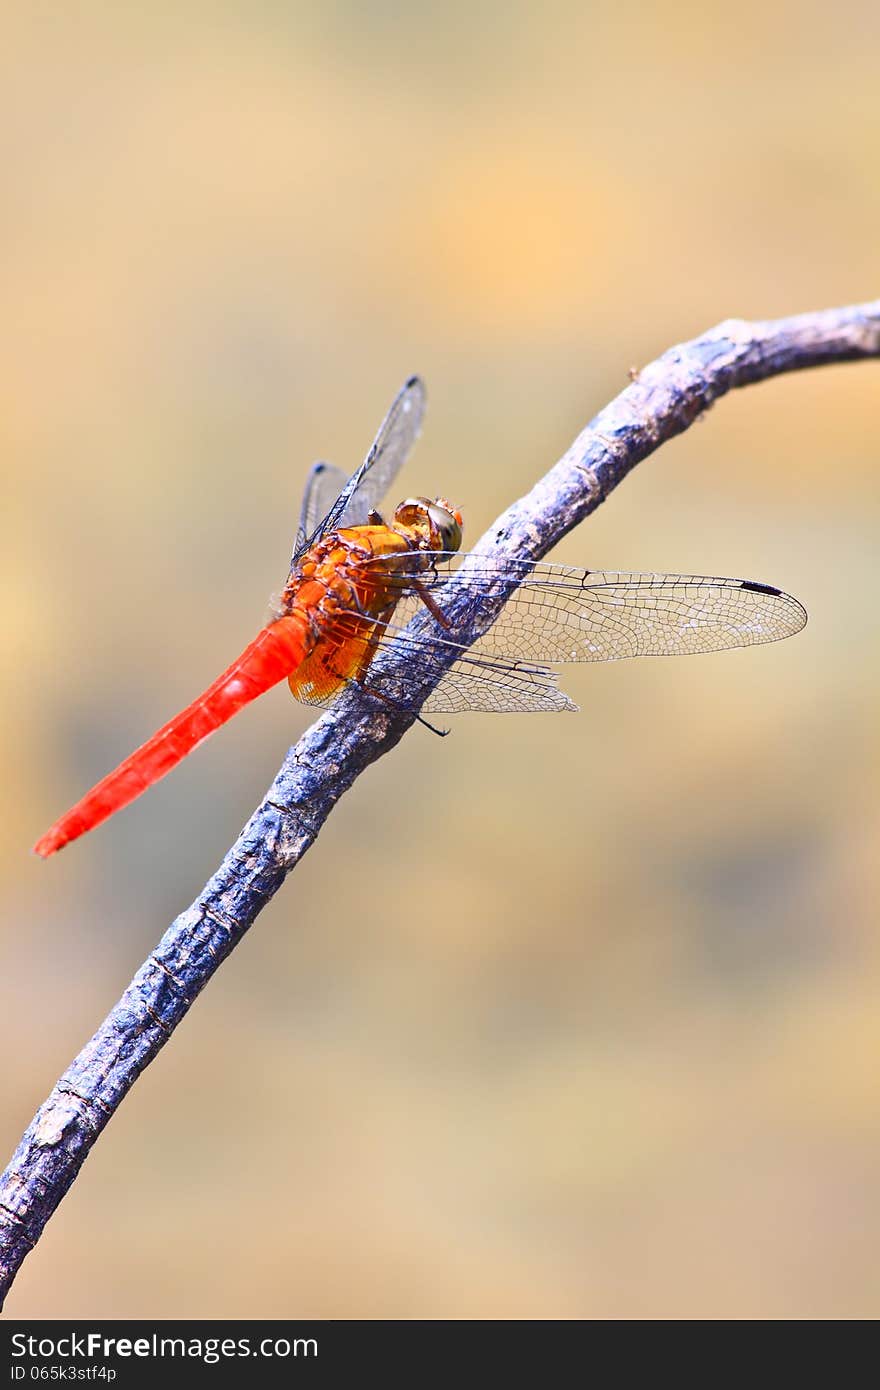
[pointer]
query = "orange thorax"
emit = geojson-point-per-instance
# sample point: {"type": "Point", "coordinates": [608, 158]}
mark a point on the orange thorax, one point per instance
{"type": "Point", "coordinates": [340, 594]}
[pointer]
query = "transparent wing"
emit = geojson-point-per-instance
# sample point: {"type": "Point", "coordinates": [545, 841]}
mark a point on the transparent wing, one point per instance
{"type": "Point", "coordinates": [558, 613]}
{"type": "Point", "coordinates": [496, 687]}
{"type": "Point", "coordinates": [490, 684]}
{"type": "Point", "coordinates": [367, 486]}
{"type": "Point", "coordinates": [323, 485]}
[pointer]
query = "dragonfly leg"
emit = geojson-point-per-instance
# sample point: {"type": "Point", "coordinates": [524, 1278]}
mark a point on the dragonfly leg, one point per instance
{"type": "Point", "coordinates": [431, 604]}
{"type": "Point", "coordinates": [441, 733]}
{"type": "Point", "coordinates": [389, 700]}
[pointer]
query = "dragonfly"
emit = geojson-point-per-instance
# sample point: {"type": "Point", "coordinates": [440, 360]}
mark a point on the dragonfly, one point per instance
{"type": "Point", "coordinates": [356, 581]}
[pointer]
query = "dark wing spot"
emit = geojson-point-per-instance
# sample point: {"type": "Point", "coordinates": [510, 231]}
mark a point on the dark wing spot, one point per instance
{"type": "Point", "coordinates": [757, 588]}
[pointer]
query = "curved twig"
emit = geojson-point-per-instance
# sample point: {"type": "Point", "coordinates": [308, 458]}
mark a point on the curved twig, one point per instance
{"type": "Point", "coordinates": [662, 401]}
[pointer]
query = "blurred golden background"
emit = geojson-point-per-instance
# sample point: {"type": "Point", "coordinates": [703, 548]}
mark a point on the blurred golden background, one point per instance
{"type": "Point", "coordinates": [601, 1038]}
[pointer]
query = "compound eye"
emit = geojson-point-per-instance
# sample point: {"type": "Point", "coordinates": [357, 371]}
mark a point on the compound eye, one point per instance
{"type": "Point", "coordinates": [447, 524]}
{"type": "Point", "coordinates": [413, 511]}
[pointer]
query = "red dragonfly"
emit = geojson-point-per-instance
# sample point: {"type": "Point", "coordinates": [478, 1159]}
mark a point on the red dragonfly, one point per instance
{"type": "Point", "coordinates": [355, 581]}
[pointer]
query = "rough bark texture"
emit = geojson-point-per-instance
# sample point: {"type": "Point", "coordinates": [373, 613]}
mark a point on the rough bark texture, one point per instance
{"type": "Point", "coordinates": [662, 401]}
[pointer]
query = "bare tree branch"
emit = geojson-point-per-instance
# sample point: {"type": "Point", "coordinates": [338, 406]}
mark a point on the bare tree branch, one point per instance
{"type": "Point", "coordinates": [662, 401]}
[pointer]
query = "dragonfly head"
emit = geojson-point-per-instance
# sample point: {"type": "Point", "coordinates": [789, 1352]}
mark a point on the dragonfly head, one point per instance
{"type": "Point", "coordinates": [437, 524]}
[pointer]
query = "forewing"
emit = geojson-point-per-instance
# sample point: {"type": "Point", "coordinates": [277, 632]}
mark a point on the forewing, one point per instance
{"type": "Point", "coordinates": [558, 613]}
{"type": "Point", "coordinates": [367, 486]}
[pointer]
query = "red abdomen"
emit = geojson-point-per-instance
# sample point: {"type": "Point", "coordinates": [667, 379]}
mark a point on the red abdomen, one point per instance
{"type": "Point", "coordinates": [274, 654]}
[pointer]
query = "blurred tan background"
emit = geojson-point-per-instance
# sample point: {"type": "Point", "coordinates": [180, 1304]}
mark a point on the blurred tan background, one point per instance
{"type": "Point", "coordinates": [602, 1039]}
